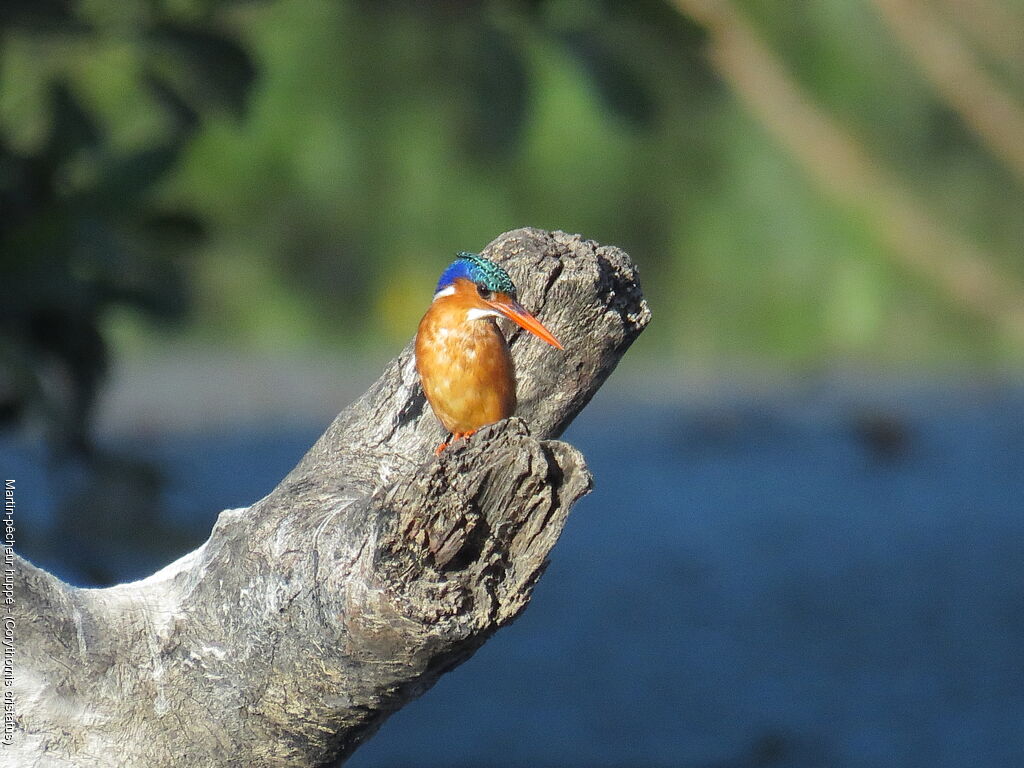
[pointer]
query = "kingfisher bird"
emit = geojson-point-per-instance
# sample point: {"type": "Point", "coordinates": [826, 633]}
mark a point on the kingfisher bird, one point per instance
{"type": "Point", "coordinates": [462, 356]}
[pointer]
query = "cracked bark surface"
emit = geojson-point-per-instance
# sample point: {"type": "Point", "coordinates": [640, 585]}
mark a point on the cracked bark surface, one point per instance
{"type": "Point", "coordinates": [373, 568]}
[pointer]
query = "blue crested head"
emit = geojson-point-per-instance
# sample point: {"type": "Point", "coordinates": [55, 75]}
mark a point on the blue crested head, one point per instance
{"type": "Point", "coordinates": [475, 268]}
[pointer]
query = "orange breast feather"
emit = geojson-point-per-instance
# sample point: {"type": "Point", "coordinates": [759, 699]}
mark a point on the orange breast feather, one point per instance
{"type": "Point", "coordinates": [465, 368]}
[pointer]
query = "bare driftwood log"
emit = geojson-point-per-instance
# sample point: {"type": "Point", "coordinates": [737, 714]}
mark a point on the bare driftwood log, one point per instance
{"type": "Point", "coordinates": [371, 570]}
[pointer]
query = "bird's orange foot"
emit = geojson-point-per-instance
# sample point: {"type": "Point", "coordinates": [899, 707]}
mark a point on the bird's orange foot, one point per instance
{"type": "Point", "coordinates": [454, 436]}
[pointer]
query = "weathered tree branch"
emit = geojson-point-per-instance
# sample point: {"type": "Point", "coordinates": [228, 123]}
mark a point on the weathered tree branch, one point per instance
{"type": "Point", "coordinates": [372, 569]}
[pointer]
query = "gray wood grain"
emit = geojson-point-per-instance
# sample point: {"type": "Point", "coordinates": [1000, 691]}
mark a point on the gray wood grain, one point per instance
{"type": "Point", "coordinates": [371, 570]}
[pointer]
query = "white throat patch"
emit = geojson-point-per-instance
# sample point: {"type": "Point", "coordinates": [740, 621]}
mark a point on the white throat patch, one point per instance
{"type": "Point", "coordinates": [475, 313]}
{"type": "Point", "coordinates": [449, 291]}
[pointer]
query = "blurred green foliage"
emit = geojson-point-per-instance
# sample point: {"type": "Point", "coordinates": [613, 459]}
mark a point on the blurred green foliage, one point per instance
{"type": "Point", "coordinates": [296, 173]}
{"type": "Point", "coordinates": [385, 136]}
{"type": "Point", "coordinates": [84, 229]}
{"type": "Point", "coordinates": [98, 103]}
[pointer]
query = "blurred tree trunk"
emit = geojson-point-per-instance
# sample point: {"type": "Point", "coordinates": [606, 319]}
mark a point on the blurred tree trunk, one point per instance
{"type": "Point", "coordinates": [966, 274]}
{"type": "Point", "coordinates": [370, 571]}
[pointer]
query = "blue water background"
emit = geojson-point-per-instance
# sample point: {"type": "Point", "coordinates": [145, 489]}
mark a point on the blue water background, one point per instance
{"type": "Point", "coordinates": [805, 578]}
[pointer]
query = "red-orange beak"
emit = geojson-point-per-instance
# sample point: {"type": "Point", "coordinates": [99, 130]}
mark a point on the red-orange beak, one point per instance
{"type": "Point", "coordinates": [514, 311]}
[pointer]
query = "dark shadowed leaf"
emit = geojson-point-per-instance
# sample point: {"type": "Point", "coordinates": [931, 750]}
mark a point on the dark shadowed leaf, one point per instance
{"type": "Point", "coordinates": [71, 128]}
{"type": "Point", "coordinates": [123, 265]}
{"type": "Point", "coordinates": [435, 9]}
{"type": "Point", "coordinates": [212, 66]}
{"type": "Point", "coordinates": [177, 231]}
{"type": "Point", "coordinates": [156, 287]}
{"type": "Point", "coordinates": [657, 20]}
{"type": "Point", "coordinates": [184, 115]}
{"type": "Point", "coordinates": [533, 7]}
{"type": "Point", "coordinates": [127, 179]}
{"type": "Point", "coordinates": [499, 86]}
{"type": "Point", "coordinates": [69, 336]}
{"type": "Point", "coordinates": [41, 15]}
{"type": "Point", "coordinates": [621, 88]}
{"type": "Point", "coordinates": [16, 193]}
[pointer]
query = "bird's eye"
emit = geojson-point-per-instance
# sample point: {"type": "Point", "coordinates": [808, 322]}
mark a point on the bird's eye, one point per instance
{"type": "Point", "coordinates": [484, 293]}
